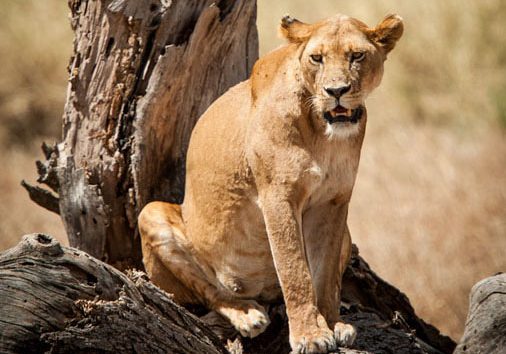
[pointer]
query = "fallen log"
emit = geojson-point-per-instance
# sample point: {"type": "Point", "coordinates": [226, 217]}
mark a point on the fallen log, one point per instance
{"type": "Point", "coordinates": [485, 330]}
{"type": "Point", "coordinates": [61, 300]}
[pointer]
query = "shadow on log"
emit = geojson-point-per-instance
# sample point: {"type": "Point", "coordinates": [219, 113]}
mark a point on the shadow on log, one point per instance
{"type": "Point", "coordinates": [61, 300]}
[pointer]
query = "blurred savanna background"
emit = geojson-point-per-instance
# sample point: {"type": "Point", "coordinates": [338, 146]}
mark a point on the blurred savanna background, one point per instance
{"type": "Point", "coordinates": [429, 207]}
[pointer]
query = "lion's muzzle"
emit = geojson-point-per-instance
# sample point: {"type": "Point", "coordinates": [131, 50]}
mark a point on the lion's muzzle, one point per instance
{"type": "Point", "coordinates": [343, 115]}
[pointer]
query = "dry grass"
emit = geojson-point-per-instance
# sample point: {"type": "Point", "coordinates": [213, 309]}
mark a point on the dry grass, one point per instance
{"type": "Point", "coordinates": [428, 210]}
{"type": "Point", "coordinates": [35, 43]}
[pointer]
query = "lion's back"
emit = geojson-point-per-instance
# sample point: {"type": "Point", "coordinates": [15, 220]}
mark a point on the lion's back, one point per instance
{"type": "Point", "coordinates": [220, 131]}
{"type": "Point", "coordinates": [216, 160]}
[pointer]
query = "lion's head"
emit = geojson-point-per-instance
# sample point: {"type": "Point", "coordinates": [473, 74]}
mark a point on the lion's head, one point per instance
{"type": "Point", "coordinates": [341, 60]}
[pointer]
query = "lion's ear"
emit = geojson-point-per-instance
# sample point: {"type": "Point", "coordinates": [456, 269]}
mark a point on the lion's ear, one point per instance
{"type": "Point", "coordinates": [294, 30]}
{"type": "Point", "coordinates": [387, 33]}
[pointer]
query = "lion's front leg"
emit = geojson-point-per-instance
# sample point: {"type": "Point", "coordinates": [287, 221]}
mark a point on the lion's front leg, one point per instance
{"type": "Point", "coordinates": [309, 332]}
{"type": "Point", "coordinates": [328, 245]}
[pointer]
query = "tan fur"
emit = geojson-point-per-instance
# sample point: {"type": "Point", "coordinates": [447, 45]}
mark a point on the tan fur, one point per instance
{"type": "Point", "coordinates": [268, 183]}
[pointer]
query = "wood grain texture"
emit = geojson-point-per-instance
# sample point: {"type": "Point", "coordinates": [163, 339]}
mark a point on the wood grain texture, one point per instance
{"type": "Point", "coordinates": [141, 74]}
{"type": "Point", "coordinates": [61, 300]}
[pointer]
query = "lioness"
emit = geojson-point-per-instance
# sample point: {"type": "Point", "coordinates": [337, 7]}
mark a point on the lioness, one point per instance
{"type": "Point", "coordinates": [270, 170]}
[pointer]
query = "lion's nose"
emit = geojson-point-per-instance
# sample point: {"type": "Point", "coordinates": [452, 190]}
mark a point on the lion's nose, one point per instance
{"type": "Point", "coordinates": [337, 92]}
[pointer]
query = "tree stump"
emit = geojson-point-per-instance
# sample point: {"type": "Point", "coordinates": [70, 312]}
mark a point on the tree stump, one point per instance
{"type": "Point", "coordinates": [61, 300]}
{"type": "Point", "coordinates": [141, 74]}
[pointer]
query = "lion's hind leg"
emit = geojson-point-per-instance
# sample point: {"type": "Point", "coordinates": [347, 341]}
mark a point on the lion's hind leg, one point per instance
{"type": "Point", "coordinates": [171, 265]}
{"type": "Point", "coordinates": [166, 254]}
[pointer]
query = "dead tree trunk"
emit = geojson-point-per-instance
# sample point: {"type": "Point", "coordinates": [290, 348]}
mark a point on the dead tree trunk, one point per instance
{"type": "Point", "coordinates": [141, 74]}
{"type": "Point", "coordinates": [60, 300]}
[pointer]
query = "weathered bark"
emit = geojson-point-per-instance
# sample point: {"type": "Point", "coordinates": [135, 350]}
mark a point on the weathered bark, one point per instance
{"type": "Point", "coordinates": [485, 330]}
{"type": "Point", "coordinates": [141, 74]}
{"type": "Point", "coordinates": [61, 300]}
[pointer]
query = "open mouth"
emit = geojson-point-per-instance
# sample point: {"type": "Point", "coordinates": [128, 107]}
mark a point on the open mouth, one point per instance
{"type": "Point", "coordinates": [343, 115]}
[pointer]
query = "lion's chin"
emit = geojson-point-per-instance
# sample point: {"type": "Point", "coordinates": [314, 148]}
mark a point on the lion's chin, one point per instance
{"type": "Point", "coordinates": [341, 114]}
{"type": "Point", "coordinates": [341, 130]}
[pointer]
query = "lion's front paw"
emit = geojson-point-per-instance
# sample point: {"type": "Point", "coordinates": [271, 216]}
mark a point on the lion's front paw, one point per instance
{"type": "Point", "coordinates": [317, 341]}
{"type": "Point", "coordinates": [248, 319]}
{"type": "Point", "coordinates": [345, 334]}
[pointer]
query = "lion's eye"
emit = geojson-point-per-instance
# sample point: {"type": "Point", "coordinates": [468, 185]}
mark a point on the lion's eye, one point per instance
{"type": "Point", "coordinates": [316, 58]}
{"type": "Point", "coordinates": [357, 56]}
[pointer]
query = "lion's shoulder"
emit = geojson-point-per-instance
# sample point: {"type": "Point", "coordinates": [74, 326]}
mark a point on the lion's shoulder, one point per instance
{"type": "Point", "coordinates": [270, 68]}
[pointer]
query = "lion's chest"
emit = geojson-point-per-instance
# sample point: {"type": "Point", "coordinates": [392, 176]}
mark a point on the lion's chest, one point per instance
{"type": "Point", "coordinates": [332, 177]}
